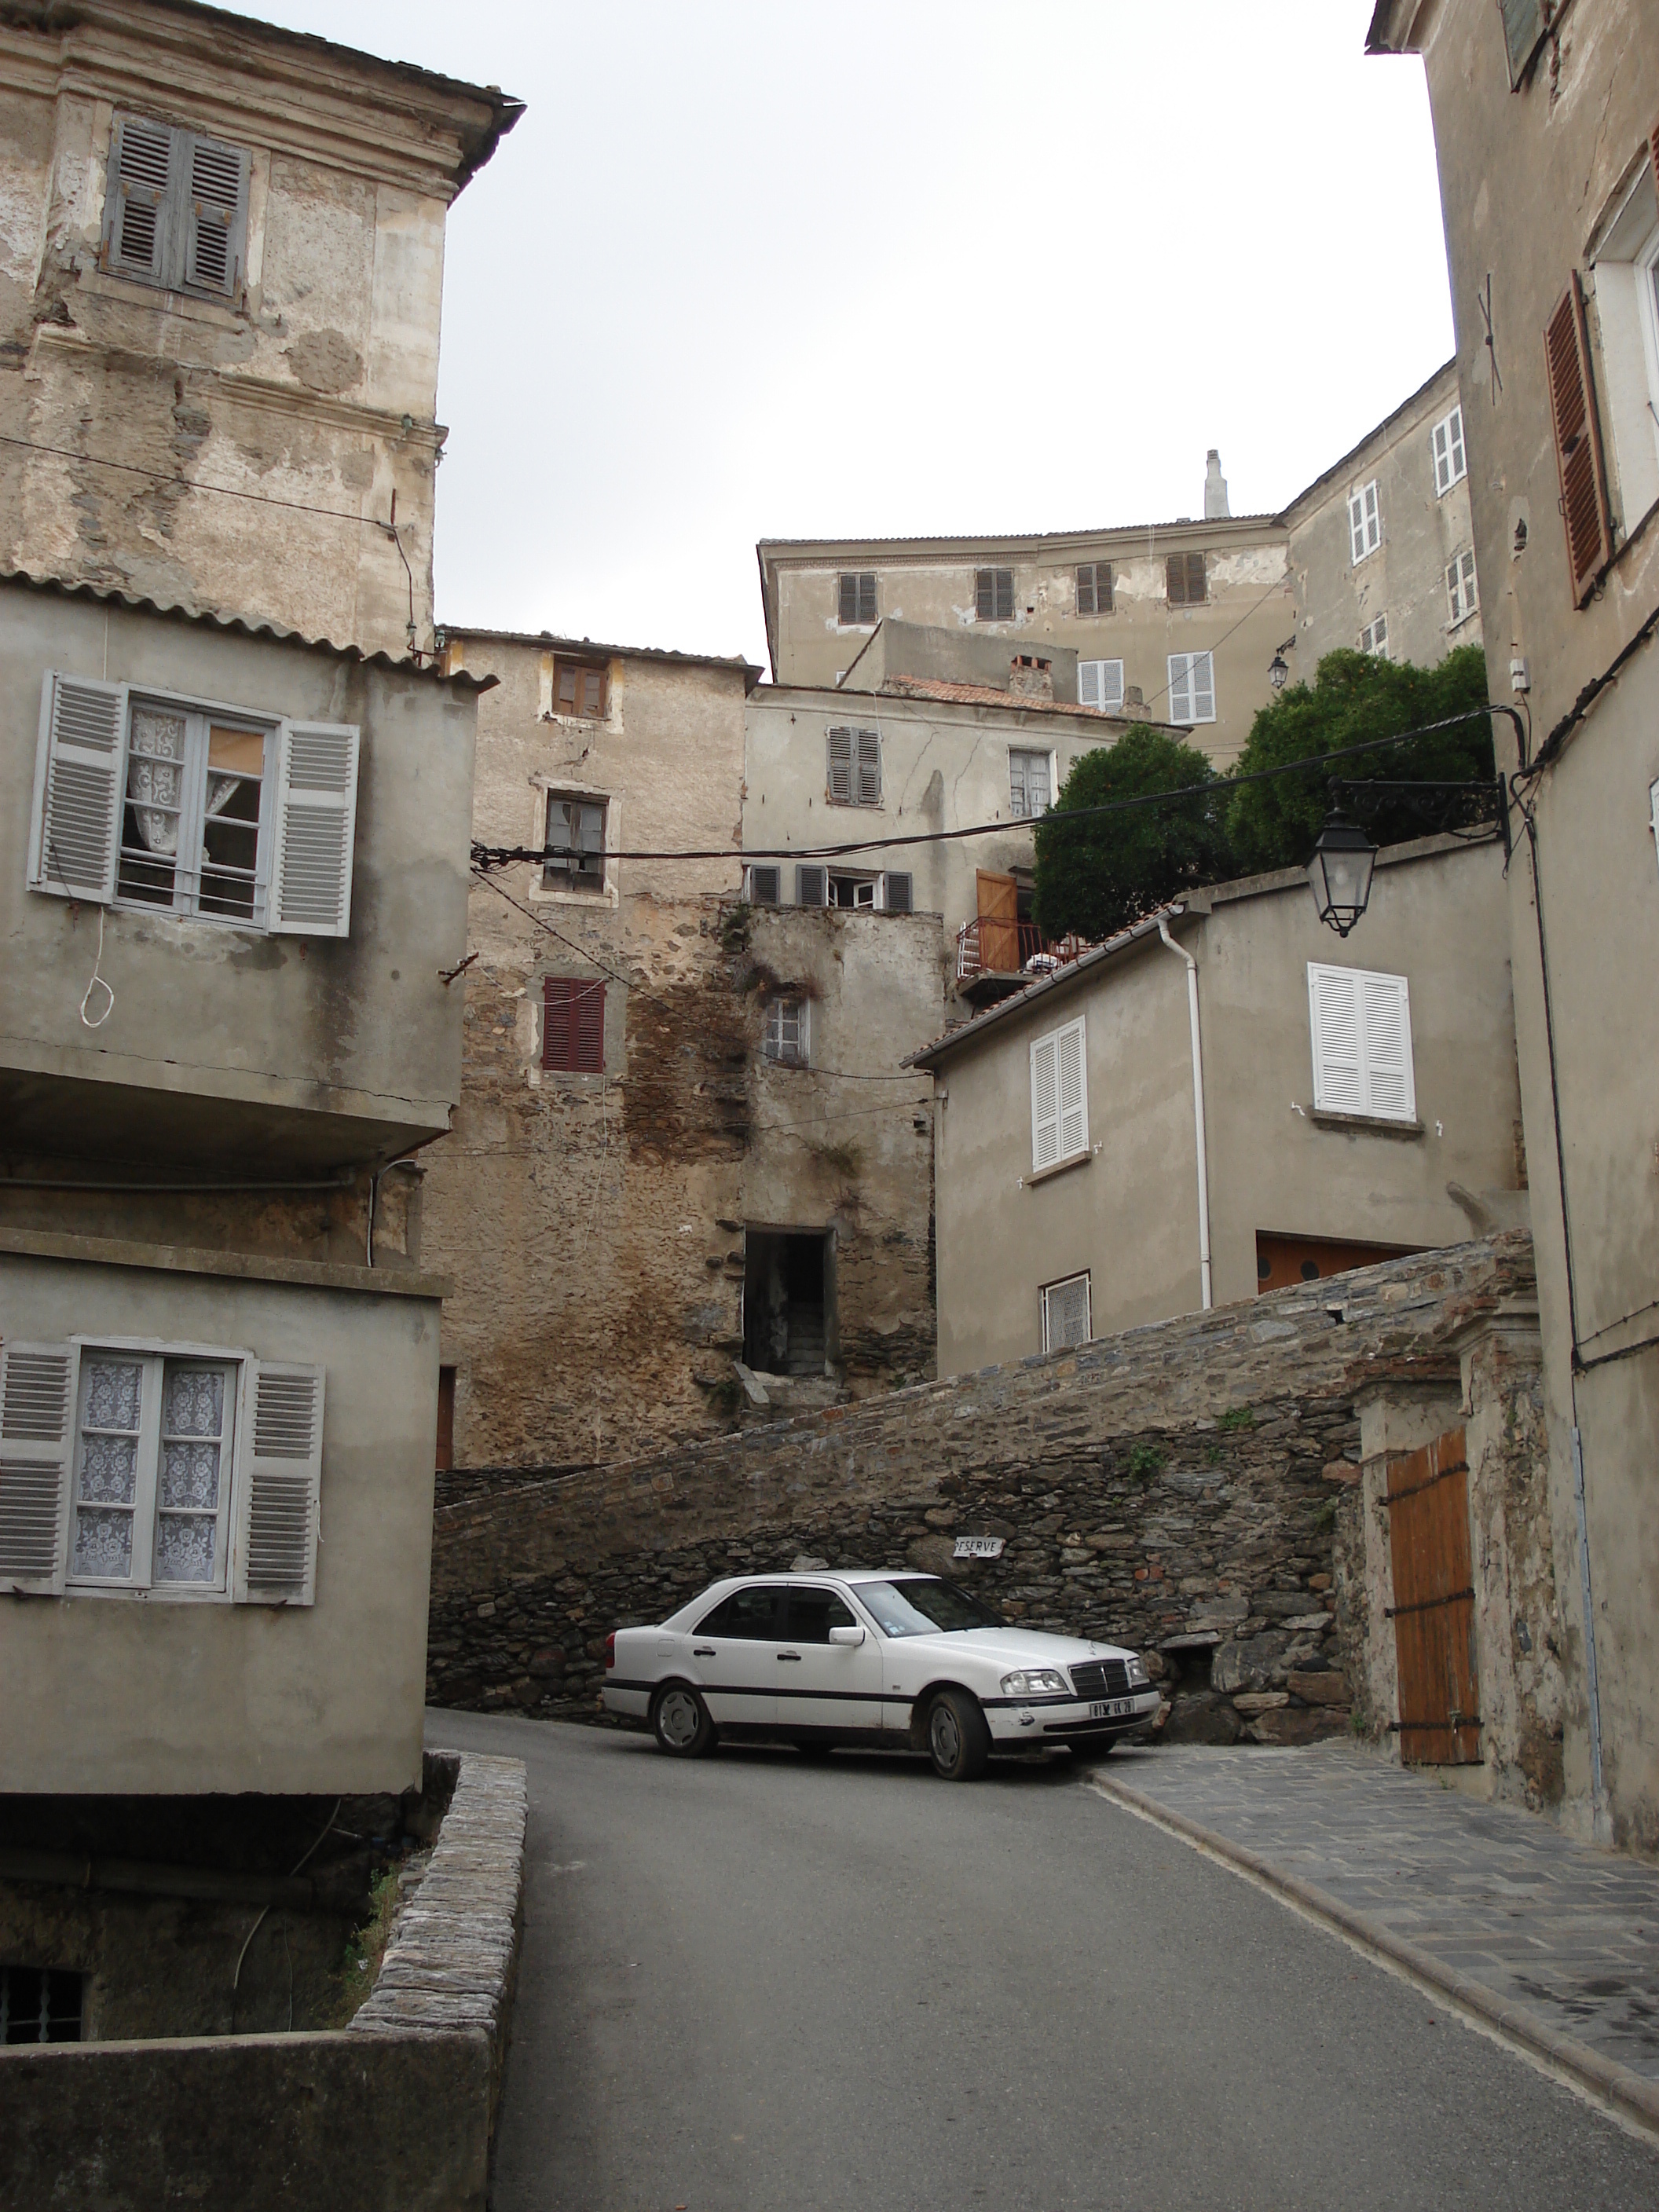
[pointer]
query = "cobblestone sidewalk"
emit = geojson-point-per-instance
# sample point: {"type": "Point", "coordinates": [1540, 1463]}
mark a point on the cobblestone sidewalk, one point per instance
{"type": "Point", "coordinates": [1539, 1931]}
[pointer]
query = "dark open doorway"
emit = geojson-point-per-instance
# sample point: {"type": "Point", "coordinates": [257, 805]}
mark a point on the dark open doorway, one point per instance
{"type": "Point", "coordinates": [789, 1301]}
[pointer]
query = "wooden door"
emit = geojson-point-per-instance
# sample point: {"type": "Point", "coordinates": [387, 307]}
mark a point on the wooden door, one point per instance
{"type": "Point", "coordinates": [998, 923]}
{"type": "Point", "coordinates": [1433, 1608]}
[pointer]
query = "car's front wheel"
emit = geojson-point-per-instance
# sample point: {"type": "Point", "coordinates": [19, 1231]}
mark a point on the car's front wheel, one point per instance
{"type": "Point", "coordinates": [958, 1740]}
{"type": "Point", "coordinates": [680, 1723]}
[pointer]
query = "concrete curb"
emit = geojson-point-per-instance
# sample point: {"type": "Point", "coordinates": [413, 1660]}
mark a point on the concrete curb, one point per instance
{"type": "Point", "coordinates": [1634, 2097]}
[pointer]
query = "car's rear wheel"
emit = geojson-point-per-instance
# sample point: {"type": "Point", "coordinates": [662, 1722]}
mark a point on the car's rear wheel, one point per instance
{"type": "Point", "coordinates": [958, 1740]}
{"type": "Point", "coordinates": [680, 1723]}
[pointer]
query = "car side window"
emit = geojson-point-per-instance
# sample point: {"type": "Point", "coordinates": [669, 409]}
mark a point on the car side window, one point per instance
{"type": "Point", "coordinates": [814, 1612]}
{"type": "Point", "coordinates": [756, 1615]}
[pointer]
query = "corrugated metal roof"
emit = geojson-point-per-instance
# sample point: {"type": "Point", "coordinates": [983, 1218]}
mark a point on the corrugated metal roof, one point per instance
{"type": "Point", "coordinates": [113, 595]}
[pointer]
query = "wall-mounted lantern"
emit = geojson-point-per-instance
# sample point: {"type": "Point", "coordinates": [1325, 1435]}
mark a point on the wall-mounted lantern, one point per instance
{"type": "Point", "coordinates": [1339, 873]}
{"type": "Point", "coordinates": [1279, 668]}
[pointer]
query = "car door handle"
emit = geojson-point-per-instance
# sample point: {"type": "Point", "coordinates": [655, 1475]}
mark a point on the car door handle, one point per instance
{"type": "Point", "coordinates": [795, 1655]}
{"type": "Point", "coordinates": [703, 1651]}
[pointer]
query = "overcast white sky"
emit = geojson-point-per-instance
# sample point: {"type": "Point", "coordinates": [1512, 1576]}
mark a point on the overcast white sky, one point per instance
{"type": "Point", "coordinates": [756, 268]}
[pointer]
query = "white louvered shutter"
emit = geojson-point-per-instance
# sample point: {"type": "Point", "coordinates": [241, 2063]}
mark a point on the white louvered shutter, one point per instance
{"type": "Point", "coordinates": [316, 826]}
{"type": "Point", "coordinates": [1373, 520]}
{"type": "Point", "coordinates": [1180, 687]}
{"type": "Point", "coordinates": [1065, 1314]}
{"type": "Point", "coordinates": [1202, 669]}
{"type": "Point", "coordinates": [841, 768]}
{"type": "Point", "coordinates": [1455, 436]}
{"type": "Point", "coordinates": [1088, 682]}
{"type": "Point", "coordinates": [1386, 1036]}
{"type": "Point", "coordinates": [1073, 1092]}
{"type": "Point", "coordinates": [1356, 526]}
{"type": "Point", "coordinates": [1334, 1011]}
{"type": "Point", "coordinates": [869, 767]}
{"type": "Point", "coordinates": [217, 205]}
{"type": "Point", "coordinates": [37, 1439]}
{"type": "Point", "coordinates": [1045, 1102]}
{"type": "Point", "coordinates": [75, 831]}
{"type": "Point", "coordinates": [279, 1496]}
{"type": "Point", "coordinates": [136, 207]}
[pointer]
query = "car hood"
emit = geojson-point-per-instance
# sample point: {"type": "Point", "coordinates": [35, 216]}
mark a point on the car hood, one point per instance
{"type": "Point", "coordinates": [1015, 1647]}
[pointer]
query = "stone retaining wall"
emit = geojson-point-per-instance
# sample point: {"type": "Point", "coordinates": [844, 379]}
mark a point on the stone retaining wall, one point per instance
{"type": "Point", "coordinates": [1174, 1488]}
{"type": "Point", "coordinates": [391, 2114]}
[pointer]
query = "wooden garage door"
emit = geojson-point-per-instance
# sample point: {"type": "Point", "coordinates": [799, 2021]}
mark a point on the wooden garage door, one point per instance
{"type": "Point", "coordinates": [1433, 1608]}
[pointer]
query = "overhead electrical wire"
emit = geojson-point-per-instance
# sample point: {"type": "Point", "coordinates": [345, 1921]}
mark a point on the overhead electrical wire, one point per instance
{"type": "Point", "coordinates": [194, 484]}
{"type": "Point", "coordinates": [485, 857]}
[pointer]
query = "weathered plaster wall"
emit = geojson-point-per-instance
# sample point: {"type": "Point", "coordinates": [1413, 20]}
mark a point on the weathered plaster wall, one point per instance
{"type": "Point", "coordinates": [1423, 531]}
{"type": "Point", "coordinates": [1249, 610]}
{"type": "Point", "coordinates": [314, 386]}
{"type": "Point", "coordinates": [1530, 181]}
{"type": "Point", "coordinates": [1127, 1213]}
{"type": "Point", "coordinates": [114, 1694]}
{"type": "Point", "coordinates": [224, 1043]}
{"type": "Point", "coordinates": [944, 766]}
{"type": "Point", "coordinates": [1175, 1486]}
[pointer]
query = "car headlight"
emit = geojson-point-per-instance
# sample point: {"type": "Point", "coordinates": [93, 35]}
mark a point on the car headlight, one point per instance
{"type": "Point", "coordinates": [1034, 1682]}
{"type": "Point", "coordinates": [1138, 1678]}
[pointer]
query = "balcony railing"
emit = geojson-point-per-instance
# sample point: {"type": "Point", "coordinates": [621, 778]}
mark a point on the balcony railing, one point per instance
{"type": "Point", "coordinates": [988, 947]}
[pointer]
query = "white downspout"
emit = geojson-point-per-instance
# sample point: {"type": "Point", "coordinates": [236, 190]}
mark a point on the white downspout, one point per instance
{"type": "Point", "coordinates": [1197, 1112]}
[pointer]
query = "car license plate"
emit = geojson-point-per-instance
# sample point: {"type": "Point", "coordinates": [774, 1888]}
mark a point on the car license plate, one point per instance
{"type": "Point", "coordinates": [1118, 1709]}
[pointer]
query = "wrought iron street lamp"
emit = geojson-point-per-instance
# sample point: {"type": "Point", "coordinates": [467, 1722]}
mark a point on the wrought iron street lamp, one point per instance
{"type": "Point", "coordinates": [1339, 873]}
{"type": "Point", "coordinates": [1279, 668]}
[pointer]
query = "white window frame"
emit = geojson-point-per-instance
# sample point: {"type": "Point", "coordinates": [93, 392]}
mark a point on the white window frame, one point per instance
{"type": "Point", "coordinates": [787, 1038]}
{"type": "Point", "coordinates": [1060, 1128]}
{"type": "Point", "coordinates": [1190, 703]}
{"type": "Point", "coordinates": [307, 806]}
{"type": "Point", "coordinates": [1625, 266]}
{"type": "Point", "coordinates": [1105, 679]}
{"type": "Point", "coordinates": [1653, 817]}
{"type": "Point", "coordinates": [1364, 520]}
{"type": "Point", "coordinates": [1374, 638]}
{"type": "Point", "coordinates": [1360, 1031]}
{"type": "Point", "coordinates": [1048, 1293]}
{"type": "Point", "coordinates": [1462, 587]}
{"type": "Point", "coordinates": [1446, 450]}
{"type": "Point", "coordinates": [1025, 755]}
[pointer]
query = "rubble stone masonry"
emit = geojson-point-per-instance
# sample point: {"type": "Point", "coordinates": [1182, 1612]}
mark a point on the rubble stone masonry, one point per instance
{"type": "Point", "coordinates": [1175, 1488]}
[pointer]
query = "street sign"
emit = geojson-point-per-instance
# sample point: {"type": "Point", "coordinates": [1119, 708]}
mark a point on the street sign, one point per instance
{"type": "Point", "coordinates": [979, 1547]}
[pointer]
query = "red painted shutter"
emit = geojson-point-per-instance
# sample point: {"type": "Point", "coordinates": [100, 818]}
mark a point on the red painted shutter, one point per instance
{"type": "Point", "coordinates": [556, 1023]}
{"type": "Point", "coordinates": [1578, 442]}
{"type": "Point", "coordinates": [587, 1027]}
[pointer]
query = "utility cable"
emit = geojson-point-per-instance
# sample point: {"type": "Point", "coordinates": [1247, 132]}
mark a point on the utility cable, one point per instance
{"type": "Point", "coordinates": [491, 856]}
{"type": "Point", "coordinates": [96, 984]}
{"type": "Point", "coordinates": [193, 484]}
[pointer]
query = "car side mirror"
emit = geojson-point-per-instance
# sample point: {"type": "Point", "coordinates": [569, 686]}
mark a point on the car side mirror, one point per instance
{"type": "Point", "coordinates": [849, 1637]}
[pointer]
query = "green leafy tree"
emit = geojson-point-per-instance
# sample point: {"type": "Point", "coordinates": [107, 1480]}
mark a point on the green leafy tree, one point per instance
{"type": "Point", "coordinates": [1096, 875]}
{"type": "Point", "coordinates": [1356, 696]}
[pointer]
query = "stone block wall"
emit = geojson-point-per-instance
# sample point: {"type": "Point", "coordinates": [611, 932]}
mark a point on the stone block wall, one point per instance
{"type": "Point", "coordinates": [1175, 1488]}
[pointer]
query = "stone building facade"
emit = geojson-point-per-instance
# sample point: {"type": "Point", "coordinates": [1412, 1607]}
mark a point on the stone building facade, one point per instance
{"type": "Point", "coordinates": [1544, 121]}
{"type": "Point", "coordinates": [681, 1115]}
{"type": "Point", "coordinates": [221, 278]}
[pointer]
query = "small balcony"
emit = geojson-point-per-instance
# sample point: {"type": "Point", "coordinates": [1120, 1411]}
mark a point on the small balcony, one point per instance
{"type": "Point", "coordinates": [996, 958]}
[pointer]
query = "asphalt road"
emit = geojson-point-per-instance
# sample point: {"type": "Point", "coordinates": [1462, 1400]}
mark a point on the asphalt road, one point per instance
{"type": "Point", "coordinates": [753, 1983]}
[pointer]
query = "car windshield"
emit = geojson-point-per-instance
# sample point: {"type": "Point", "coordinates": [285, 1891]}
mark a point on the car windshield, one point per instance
{"type": "Point", "coordinates": [924, 1606]}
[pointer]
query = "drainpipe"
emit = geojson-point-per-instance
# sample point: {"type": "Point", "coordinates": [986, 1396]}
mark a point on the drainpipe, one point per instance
{"type": "Point", "coordinates": [1198, 1110]}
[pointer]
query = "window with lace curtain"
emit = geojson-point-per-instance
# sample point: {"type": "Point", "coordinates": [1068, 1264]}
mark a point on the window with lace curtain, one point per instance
{"type": "Point", "coordinates": [193, 811]}
{"type": "Point", "coordinates": [150, 1500]}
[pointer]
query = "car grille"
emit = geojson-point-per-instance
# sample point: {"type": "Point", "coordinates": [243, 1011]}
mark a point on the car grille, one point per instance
{"type": "Point", "coordinates": [1101, 1678]}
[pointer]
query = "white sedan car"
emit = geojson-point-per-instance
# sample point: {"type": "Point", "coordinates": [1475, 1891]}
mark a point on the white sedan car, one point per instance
{"type": "Point", "coordinates": [896, 1659]}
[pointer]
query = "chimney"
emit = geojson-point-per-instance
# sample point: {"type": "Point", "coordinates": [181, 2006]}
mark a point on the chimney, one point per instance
{"type": "Point", "coordinates": [1215, 488]}
{"type": "Point", "coordinates": [1029, 677]}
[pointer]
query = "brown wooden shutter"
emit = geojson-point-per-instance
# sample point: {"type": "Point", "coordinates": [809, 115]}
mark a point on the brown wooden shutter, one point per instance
{"type": "Point", "coordinates": [1524, 25]}
{"type": "Point", "coordinates": [1578, 442]}
{"type": "Point", "coordinates": [849, 600]}
{"type": "Point", "coordinates": [1175, 580]}
{"type": "Point", "coordinates": [556, 1023]}
{"type": "Point", "coordinates": [1005, 594]}
{"type": "Point", "coordinates": [573, 1025]}
{"type": "Point", "coordinates": [1085, 590]}
{"type": "Point", "coordinates": [588, 1020]}
{"type": "Point", "coordinates": [1102, 587]}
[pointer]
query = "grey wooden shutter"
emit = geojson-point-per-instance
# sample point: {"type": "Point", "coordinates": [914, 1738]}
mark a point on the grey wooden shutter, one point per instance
{"type": "Point", "coordinates": [812, 886]}
{"type": "Point", "coordinates": [841, 768]}
{"type": "Point", "coordinates": [136, 207]}
{"type": "Point", "coordinates": [75, 833]}
{"type": "Point", "coordinates": [1005, 594]}
{"type": "Point", "coordinates": [279, 1487]}
{"type": "Point", "coordinates": [897, 888]}
{"type": "Point", "coordinates": [848, 613]}
{"type": "Point", "coordinates": [867, 597]}
{"type": "Point", "coordinates": [763, 886]}
{"type": "Point", "coordinates": [316, 827]}
{"type": "Point", "coordinates": [37, 1441]}
{"type": "Point", "coordinates": [217, 215]}
{"type": "Point", "coordinates": [985, 587]}
{"type": "Point", "coordinates": [868, 749]}
{"type": "Point", "coordinates": [1523, 30]}
{"type": "Point", "coordinates": [1085, 589]}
